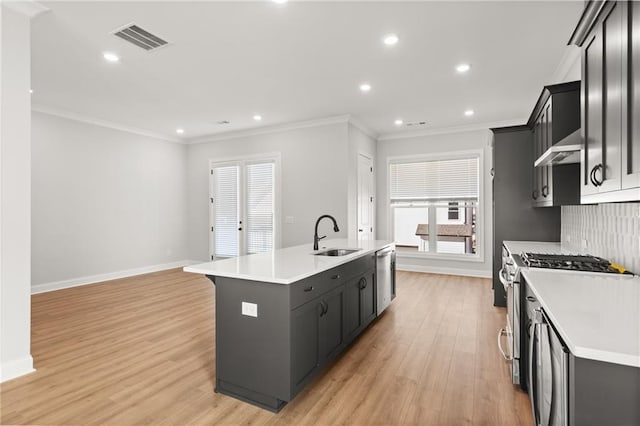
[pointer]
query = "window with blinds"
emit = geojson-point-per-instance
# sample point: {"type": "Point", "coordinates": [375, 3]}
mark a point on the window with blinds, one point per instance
{"type": "Point", "coordinates": [243, 207]}
{"type": "Point", "coordinates": [434, 205]}
{"type": "Point", "coordinates": [455, 179]}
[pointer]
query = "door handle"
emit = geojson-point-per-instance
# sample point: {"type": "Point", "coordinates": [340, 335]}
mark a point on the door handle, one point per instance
{"type": "Point", "coordinates": [359, 230]}
{"type": "Point", "coordinates": [308, 289]}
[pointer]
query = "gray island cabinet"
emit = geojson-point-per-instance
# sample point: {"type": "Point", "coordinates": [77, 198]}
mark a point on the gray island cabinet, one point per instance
{"type": "Point", "coordinates": [272, 338]}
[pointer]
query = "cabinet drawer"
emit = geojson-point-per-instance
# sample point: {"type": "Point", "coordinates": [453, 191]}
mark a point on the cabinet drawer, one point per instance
{"type": "Point", "coordinates": [308, 289]}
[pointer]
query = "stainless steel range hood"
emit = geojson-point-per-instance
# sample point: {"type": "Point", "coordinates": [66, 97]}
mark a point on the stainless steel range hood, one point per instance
{"type": "Point", "coordinates": [566, 151]}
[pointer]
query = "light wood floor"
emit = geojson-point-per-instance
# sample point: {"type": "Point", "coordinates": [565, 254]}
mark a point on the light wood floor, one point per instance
{"type": "Point", "coordinates": [141, 350]}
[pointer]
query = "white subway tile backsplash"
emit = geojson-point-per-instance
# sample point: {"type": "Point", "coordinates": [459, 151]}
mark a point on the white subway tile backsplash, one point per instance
{"type": "Point", "coordinates": [610, 231]}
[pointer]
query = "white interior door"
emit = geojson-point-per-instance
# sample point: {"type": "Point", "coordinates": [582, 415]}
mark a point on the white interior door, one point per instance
{"type": "Point", "coordinates": [365, 198]}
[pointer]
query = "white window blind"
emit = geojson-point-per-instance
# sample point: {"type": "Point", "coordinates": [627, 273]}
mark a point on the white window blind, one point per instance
{"type": "Point", "coordinates": [226, 210]}
{"type": "Point", "coordinates": [260, 207]}
{"type": "Point", "coordinates": [453, 179]}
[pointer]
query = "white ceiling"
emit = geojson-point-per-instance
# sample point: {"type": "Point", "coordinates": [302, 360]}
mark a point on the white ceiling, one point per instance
{"type": "Point", "coordinates": [298, 61]}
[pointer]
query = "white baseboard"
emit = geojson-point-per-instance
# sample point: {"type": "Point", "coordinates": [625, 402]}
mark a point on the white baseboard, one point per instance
{"type": "Point", "coordinates": [75, 282]}
{"type": "Point", "coordinates": [16, 368]}
{"type": "Point", "coordinates": [445, 271]}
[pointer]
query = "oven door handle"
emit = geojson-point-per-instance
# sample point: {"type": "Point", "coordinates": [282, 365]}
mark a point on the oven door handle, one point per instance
{"type": "Point", "coordinates": [503, 279]}
{"type": "Point", "coordinates": [503, 332]}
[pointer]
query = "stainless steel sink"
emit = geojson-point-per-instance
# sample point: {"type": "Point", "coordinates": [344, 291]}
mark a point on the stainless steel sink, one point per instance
{"type": "Point", "coordinates": [336, 252]}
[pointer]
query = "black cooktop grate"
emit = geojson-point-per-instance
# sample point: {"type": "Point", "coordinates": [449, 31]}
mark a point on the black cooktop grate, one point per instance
{"type": "Point", "coordinates": [567, 262]}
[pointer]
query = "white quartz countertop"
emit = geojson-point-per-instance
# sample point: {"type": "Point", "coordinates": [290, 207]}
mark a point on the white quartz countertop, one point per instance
{"type": "Point", "coordinates": [517, 247]}
{"type": "Point", "coordinates": [597, 315]}
{"type": "Point", "coordinates": [287, 265]}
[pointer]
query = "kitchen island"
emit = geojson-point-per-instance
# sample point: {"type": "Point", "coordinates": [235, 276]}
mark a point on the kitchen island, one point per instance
{"type": "Point", "coordinates": [282, 316]}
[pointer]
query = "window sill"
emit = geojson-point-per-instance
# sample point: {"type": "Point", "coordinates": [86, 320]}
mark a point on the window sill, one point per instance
{"type": "Point", "coordinates": [477, 258]}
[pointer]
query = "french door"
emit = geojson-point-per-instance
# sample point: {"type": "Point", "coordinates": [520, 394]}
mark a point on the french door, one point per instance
{"type": "Point", "coordinates": [243, 207]}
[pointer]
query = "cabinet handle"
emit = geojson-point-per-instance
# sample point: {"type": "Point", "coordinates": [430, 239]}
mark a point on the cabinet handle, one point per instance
{"type": "Point", "coordinates": [335, 277]}
{"type": "Point", "coordinates": [534, 194]}
{"type": "Point", "coordinates": [593, 182]}
{"type": "Point", "coordinates": [531, 298]}
{"type": "Point", "coordinates": [322, 310]}
{"type": "Point", "coordinates": [545, 191]}
{"type": "Point", "coordinates": [594, 179]}
{"type": "Point", "coordinates": [310, 288]}
{"type": "Point", "coordinates": [363, 283]}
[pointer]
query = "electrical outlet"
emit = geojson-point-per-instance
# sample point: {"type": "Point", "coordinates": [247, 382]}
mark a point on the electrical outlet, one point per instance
{"type": "Point", "coordinates": [250, 309]}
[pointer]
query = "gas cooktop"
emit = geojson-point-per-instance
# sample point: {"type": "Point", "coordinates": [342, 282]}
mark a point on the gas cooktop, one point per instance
{"type": "Point", "coordinates": [568, 262]}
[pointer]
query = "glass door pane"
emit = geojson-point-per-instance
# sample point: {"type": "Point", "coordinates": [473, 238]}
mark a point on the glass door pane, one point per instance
{"type": "Point", "coordinates": [226, 211]}
{"type": "Point", "coordinates": [260, 205]}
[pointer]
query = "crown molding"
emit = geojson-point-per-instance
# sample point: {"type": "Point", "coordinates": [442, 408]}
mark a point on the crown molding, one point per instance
{"type": "Point", "coordinates": [452, 129]}
{"type": "Point", "coordinates": [363, 127]}
{"type": "Point", "coordinates": [570, 56]}
{"type": "Point", "coordinates": [102, 123]}
{"type": "Point", "coordinates": [276, 128]}
{"type": "Point", "coordinates": [29, 8]}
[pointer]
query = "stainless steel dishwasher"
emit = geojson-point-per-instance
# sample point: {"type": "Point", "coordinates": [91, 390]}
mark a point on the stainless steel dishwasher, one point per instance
{"type": "Point", "coordinates": [384, 278]}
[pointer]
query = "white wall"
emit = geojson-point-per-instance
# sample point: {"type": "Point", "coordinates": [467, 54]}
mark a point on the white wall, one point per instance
{"type": "Point", "coordinates": [438, 144]}
{"type": "Point", "coordinates": [15, 187]}
{"type": "Point", "coordinates": [105, 203]}
{"type": "Point", "coordinates": [313, 175]}
{"type": "Point", "coordinates": [359, 143]}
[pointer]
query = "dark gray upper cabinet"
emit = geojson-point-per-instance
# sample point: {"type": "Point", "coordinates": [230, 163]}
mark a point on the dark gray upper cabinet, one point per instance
{"type": "Point", "coordinates": [555, 116]}
{"type": "Point", "coordinates": [610, 164]}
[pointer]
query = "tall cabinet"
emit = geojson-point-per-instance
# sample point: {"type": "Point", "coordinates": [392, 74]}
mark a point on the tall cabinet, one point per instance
{"type": "Point", "coordinates": [609, 34]}
{"type": "Point", "coordinates": [514, 217]}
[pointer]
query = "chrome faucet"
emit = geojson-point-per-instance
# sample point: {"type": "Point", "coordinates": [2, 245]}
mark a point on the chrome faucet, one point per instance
{"type": "Point", "coordinates": [315, 234]}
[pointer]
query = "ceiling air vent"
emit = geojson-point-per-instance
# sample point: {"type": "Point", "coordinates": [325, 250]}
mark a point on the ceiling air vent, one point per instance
{"type": "Point", "coordinates": [141, 38]}
{"type": "Point", "coordinates": [416, 123]}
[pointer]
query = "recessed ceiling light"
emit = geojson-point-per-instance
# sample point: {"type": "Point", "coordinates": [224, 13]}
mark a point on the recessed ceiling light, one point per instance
{"type": "Point", "coordinates": [30, 90]}
{"type": "Point", "coordinates": [390, 39]}
{"type": "Point", "coordinates": [180, 131]}
{"type": "Point", "coordinates": [398, 122]}
{"type": "Point", "coordinates": [469, 112]}
{"type": "Point", "coordinates": [111, 57]}
{"type": "Point", "coordinates": [257, 117]}
{"type": "Point", "coordinates": [462, 68]}
{"type": "Point", "coordinates": [279, 1]}
{"type": "Point", "coordinates": [365, 87]}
